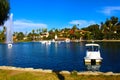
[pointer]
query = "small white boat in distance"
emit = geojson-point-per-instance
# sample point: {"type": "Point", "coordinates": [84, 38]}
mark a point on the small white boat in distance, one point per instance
{"type": "Point", "coordinates": [67, 40]}
{"type": "Point", "coordinates": [93, 53]}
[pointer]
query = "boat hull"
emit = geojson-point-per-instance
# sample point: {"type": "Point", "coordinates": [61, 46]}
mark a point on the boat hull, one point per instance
{"type": "Point", "coordinates": [92, 60]}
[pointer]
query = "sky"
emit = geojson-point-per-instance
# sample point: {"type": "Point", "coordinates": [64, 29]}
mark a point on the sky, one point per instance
{"type": "Point", "coordinates": [59, 14]}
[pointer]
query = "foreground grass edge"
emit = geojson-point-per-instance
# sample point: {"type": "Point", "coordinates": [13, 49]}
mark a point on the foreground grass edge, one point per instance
{"type": "Point", "coordinates": [15, 73]}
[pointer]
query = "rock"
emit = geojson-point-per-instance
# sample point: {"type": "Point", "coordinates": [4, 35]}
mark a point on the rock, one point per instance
{"type": "Point", "coordinates": [29, 69]}
{"type": "Point", "coordinates": [64, 72]}
{"type": "Point", "coordinates": [38, 70]}
{"type": "Point", "coordinates": [47, 71]}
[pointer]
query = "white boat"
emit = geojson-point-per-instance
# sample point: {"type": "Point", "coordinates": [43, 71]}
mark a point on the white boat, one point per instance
{"type": "Point", "coordinates": [93, 53]}
{"type": "Point", "coordinates": [48, 42]}
{"type": "Point", "coordinates": [45, 42]}
{"type": "Point", "coordinates": [67, 40]}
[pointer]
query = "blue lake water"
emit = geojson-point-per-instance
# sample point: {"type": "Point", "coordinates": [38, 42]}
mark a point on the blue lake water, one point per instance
{"type": "Point", "coordinates": [63, 56]}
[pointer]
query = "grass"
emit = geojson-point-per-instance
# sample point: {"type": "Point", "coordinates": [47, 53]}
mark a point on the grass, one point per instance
{"type": "Point", "coordinates": [29, 75]}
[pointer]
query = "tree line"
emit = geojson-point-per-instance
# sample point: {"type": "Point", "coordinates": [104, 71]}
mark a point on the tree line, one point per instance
{"type": "Point", "coordinates": [109, 29]}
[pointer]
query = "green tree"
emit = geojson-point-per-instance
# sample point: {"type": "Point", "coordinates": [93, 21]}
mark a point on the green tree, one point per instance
{"type": "Point", "coordinates": [2, 36]}
{"type": "Point", "coordinates": [75, 27]}
{"type": "Point", "coordinates": [95, 31]}
{"type": "Point", "coordinates": [109, 28]}
{"type": "Point", "coordinates": [30, 36]}
{"type": "Point", "coordinates": [33, 31]}
{"type": "Point", "coordinates": [57, 32]}
{"type": "Point", "coordinates": [33, 34]}
{"type": "Point", "coordinates": [44, 29]}
{"type": "Point", "coordinates": [118, 28]}
{"type": "Point", "coordinates": [39, 31]}
{"type": "Point", "coordinates": [73, 32]}
{"type": "Point", "coordinates": [114, 20]}
{"type": "Point", "coordinates": [20, 36]}
{"type": "Point", "coordinates": [77, 35]}
{"type": "Point", "coordinates": [65, 32]}
{"type": "Point", "coordinates": [87, 36]}
{"type": "Point", "coordinates": [4, 10]}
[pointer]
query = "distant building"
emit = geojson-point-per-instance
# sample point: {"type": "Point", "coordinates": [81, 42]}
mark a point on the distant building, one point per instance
{"type": "Point", "coordinates": [44, 34]}
{"type": "Point", "coordinates": [61, 39]}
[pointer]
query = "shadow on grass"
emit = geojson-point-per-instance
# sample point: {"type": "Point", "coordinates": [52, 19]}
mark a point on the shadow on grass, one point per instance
{"type": "Point", "coordinates": [60, 76]}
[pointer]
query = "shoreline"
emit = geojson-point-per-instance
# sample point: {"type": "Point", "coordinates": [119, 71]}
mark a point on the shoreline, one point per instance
{"type": "Point", "coordinates": [73, 41]}
{"type": "Point", "coordinates": [51, 71]}
{"type": "Point", "coordinates": [95, 40]}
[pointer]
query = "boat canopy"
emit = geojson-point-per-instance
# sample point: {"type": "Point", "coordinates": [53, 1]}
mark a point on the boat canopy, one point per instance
{"type": "Point", "coordinates": [92, 45]}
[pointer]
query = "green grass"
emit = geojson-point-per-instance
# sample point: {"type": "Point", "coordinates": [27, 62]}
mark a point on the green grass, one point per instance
{"type": "Point", "coordinates": [28, 75]}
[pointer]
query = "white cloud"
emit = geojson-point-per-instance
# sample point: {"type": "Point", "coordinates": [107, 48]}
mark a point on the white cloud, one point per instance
{"type": "Point", "coordinates": [111, 9]}
{"type": "Point", "coordinates": [27, 25]}
{"type": "Point", "coordinates": [82, 23]}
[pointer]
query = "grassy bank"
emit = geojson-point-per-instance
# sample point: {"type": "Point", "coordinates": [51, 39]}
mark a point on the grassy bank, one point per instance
{"type": "Point", "coordinates": [32, 75]}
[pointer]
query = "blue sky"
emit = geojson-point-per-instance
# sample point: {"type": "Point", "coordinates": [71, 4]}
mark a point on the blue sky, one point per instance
{"type": "Point", "coordinates": [35, 14]}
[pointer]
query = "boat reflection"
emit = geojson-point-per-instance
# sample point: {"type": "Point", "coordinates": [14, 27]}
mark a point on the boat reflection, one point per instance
{"type": "Point", "coordinates": [93, 67]}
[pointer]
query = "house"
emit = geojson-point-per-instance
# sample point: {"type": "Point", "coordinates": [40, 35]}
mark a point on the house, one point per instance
{"type": "Point", "coordinates": [44, 34]}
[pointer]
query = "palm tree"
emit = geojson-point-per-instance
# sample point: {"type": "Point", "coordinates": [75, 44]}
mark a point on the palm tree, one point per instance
{"type": "Point", "coordinates": [33, 34]}
{"type": "Point", "coordinates": [111, 26]}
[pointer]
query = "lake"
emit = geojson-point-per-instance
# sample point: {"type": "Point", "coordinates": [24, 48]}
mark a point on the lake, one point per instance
{"type": "Point", "coordinates": [59, 56]}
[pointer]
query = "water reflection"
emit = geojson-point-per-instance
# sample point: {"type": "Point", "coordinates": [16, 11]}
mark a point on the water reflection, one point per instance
{"type": "Point", "coordinates": [93, 67]}
{"type": "Point", "coordinates": [59, 56]}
